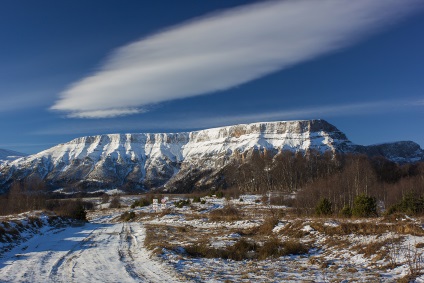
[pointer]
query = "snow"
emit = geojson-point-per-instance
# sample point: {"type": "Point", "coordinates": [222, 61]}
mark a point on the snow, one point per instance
{"type": "Point", "coordinates": [280, 226]}
{"type": "Point", "coordinates": [9, 155]}
{"type": "Point", "coordinates": [151, 152]}
{"type": "Point", "coordinates": [106, 250]}
{"type": "Point", "coordinates": [112, 158]}
{"type": "Point", "coordinates": [94, 252]}
{"type": "Point", "coordinates": [307, 228]}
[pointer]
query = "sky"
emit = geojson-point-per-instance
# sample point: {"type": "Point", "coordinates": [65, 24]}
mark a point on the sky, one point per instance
{"type": "Point", "coordinates": [78, 68]}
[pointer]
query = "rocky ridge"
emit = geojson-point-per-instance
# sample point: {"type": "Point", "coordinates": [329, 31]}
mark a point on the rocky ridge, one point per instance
{"type": "Point", "coordinates": [9, 155]}
{"type": "Point", "coordinates": [147, 161]}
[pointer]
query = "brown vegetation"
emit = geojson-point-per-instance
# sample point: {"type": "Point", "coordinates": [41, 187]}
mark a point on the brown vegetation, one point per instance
{"type": "Point", "coordinates": [228, 213]}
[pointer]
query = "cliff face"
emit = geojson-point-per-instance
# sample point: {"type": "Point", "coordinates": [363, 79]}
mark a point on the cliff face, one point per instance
{"type": "Point", "coordinates": [155, 160]}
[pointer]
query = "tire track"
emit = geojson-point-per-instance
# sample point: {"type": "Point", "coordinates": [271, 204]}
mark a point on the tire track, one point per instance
{"type": "Point", "coordinates": [78, 248]}
{"type": "Point", "coordinates": [125, 254]}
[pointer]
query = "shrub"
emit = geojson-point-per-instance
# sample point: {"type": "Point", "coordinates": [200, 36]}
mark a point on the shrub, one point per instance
{"type": "Point", "coordinates": [228, 213]}
{"type": "Point", "coordinates": [88, 205]}
{"type": "Point", "coordinates": [268, 225]}
{"type": "Point", "coordinates": [181, 203]}
{"type": "Point", "coordinates": [364, 206]}
{"type": "Point", "coordinates": [323, 207]}
{"type": "Point", "coordinates": [294, 248]}
{"type": "Point", "coordinates": [271, 248]}
{"type": "Point", "coordinates": [196, 199]}
{"type": "Point", "coordinates": [203, 201]}
{"type": "Point", "coordinates": [409, 204]}
{"type": "Point", "coordinates": [71, 209]}
{"type": "Point", "coordinates": [140, 202]}
{"type": "Point", "coordinates": [241, 250]}
{"type": "Point", "coordinates": [244, 249]}
{"type": "Point", "coordinates": [105, 198]}
{"type": "Point", "coordinates": [127, 216]}
{"type": "Point", "coordinates": [115, 202]}
{"type": "Point", "coordinates": [346, 211]}
{"type": "Point", "coordinates": [220, 194]}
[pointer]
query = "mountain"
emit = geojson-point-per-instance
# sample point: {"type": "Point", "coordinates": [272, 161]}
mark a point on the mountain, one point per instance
{"type": "Point", "coordinates": [146, 161]}
{"type": "Point", "coordinates": [10, 155]}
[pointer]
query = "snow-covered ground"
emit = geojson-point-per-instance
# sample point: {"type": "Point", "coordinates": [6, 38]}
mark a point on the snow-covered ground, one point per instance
{"type": "Point", "coordinates": [94, 252]}
{"type": "Point", "coordinates": [109, 250]}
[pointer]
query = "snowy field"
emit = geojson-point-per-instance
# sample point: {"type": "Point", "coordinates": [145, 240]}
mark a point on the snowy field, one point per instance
{"type": "Point", "coordinates": [95, 252]}
{"type": "Point", "coordinates": [173, 245]}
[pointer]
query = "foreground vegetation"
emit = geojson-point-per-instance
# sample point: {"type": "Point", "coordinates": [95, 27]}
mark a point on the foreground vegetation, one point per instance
{"type": "Point", "coordinates": [31, 196]}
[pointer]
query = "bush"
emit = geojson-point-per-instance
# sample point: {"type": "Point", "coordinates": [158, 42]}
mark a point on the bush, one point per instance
{"type": "Point", "coordinates": [140, 202]}
{"type": "Point", "coordinates": [244, 249]}
{"type": "Point", "coordinates": [294, 248]}
{"type": "Point", "coordinates": [241, 250]}
{"type": "Point", "coordinates": [203, 201]}
{"type": "Point", "coordinates": [228, 213]}
{"type": "Point", "coordinates": [220, 194]}
{"type": "Point", "coordinates": [196, 199]}
{"type": "Point", "coordinates": [346, 211]}
{"type": "Point", "coordinates": [324, 207]}
{"type": "Point", "coordinates": [182, 203]}
{"type": "Point", "coordinates": [271, 248]}
{"type": "Point", "coordinates": [127, 216]}
{"type": "Point", "coordinates": [115, 202]}
{"type": "Point", "coordinates": [268, 225]}
{"type": "Point", "coordinates": [70, 209]}
{"type": "Point", "coordinates": [105, 198]}
{"type": "Point", "coordinates": [409, 204]}
{"type": "Point", "coordinates": [364, 206]}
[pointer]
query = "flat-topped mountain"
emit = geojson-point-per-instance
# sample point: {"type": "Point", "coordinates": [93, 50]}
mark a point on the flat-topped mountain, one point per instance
{"type": "Point", "coordinates": [147, 161]}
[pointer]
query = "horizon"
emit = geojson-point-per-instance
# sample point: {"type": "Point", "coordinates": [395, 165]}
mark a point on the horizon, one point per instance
{"type": "Point", "coordinates": [69, 72]}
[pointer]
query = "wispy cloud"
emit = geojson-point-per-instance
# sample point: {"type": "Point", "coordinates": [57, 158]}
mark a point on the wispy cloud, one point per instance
{"type": "Point", "coordinates": [197, 121]}
{"type": "Point", "coordinates": [418, 103]}
{"type": "Point", "coordinates": [18, 100]}
{"type": "Point", "coordinates": [103, 113]}
{"type": "Point", "coordinates": [223, 50]}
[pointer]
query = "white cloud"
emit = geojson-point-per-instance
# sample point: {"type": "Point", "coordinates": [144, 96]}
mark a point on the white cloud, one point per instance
{"type": "Point", "coordinates": [104, 113]}
{"type": "Point", "coordinates": [223, 50]}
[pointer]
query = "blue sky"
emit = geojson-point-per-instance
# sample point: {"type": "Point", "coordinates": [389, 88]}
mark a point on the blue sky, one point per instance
{"type": "Point", "coordinates": [76, 68]}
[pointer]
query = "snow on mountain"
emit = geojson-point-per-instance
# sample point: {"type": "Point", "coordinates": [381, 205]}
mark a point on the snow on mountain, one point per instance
{"type": "Point", "coordinates": [151, 160]}
{"type": "Point", "coordinates": [9, 155]}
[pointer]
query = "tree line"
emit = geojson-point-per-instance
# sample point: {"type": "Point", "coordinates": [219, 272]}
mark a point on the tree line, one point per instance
{"type": "Point", "coordinates": [340, 179]}
{"type": "Point", "coordinates": [31, 194]}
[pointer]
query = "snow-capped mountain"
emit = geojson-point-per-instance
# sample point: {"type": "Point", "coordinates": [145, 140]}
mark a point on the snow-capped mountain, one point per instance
{"type": "Point", "coordinates": [10, 155]}
{"type": "Point", "coordinates": [155, 160]}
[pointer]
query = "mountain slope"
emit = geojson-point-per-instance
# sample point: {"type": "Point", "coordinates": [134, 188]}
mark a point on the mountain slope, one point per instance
{"type": "Point", "coordinates": [155, 160]}
{"type": "Point", "coordinates": [10, 155]}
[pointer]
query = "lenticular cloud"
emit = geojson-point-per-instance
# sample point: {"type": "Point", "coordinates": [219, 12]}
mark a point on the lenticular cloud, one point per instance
{"type": "Point", "coordinates": [223, 50]}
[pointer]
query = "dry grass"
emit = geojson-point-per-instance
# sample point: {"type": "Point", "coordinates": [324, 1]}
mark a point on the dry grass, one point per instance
{"type": "Point", "coordinates": [419, 245]}
{"type": "Point", "coordinates": [269, 224]}
{"type": "Point", "coordinates": [241, 250]}
{"type": "Point", "coordinates": [374, 248]}
{"type": "Point", "coordinates": [258, 241]}
{"type": "Point", "coordinates": [157, 238]}
{"type": "Point", "coordinates": [228, 213]}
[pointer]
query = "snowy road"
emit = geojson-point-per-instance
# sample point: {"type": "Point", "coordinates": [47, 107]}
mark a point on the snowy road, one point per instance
{"type": "Point", "coordinates": [95, 252]}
